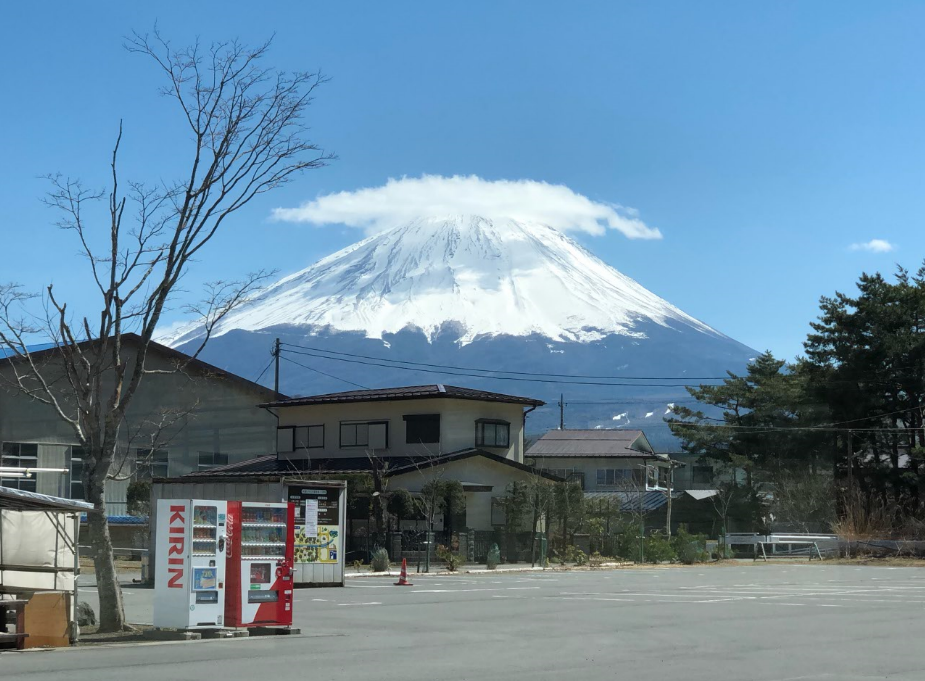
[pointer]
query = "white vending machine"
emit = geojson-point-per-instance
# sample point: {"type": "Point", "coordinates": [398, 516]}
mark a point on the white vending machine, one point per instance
{"type": "Point", "coordinates": [189, 577]}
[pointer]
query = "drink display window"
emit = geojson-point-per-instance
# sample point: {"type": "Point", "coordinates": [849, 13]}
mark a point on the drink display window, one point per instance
{"type": "Point", "coordinates": [205, 531]}
{"type": "Point", "coordinates": [263, 533]}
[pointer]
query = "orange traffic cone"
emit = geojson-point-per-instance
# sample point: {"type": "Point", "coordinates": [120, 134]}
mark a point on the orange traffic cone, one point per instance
{"type": "Point", "coordinates": [403, 577]}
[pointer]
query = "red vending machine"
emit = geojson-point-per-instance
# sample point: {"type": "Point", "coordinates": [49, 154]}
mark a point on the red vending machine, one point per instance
{"type": "Point", "coordinates": [261, 542]}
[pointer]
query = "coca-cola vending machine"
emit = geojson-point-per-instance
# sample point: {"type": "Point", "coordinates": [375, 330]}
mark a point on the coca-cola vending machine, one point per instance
{"type": "Point", "coordinates": [189, 585]}
{"type": "Point", "coordinates": [259, 558]}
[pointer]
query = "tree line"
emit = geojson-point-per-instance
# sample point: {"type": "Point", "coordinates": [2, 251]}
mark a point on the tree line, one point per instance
{"type": "Point", "coordinates": [838, 432]}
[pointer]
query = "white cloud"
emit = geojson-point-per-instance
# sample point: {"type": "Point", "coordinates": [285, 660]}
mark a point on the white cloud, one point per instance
{"type": "Point", "coordinates": [402, 200]}
{"type": "Point", "coordinates": [874, 246]}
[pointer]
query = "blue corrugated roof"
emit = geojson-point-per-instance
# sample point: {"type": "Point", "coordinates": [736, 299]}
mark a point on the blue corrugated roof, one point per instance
{"type": "Point", "coordinates": [37, 347]}
{"type": "Point", "coordinates": [122, 519]}
{"type": "Point", "coordinates": [630, 501]}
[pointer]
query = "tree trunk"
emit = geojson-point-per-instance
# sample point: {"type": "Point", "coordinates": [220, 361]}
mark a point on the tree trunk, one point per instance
{"type": "Point", "coordinates": [112, 612]}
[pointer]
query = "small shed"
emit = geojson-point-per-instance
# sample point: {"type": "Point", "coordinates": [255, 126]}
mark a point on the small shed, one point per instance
{"type": "Point", "coordinates": [38, 544]}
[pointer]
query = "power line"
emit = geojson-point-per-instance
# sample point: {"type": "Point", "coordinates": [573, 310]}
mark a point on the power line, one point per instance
{"type": "Point", "coordinates": [495, 378]}
{"type": "Point", "coordinates": [318, 371]}
{"type": "Point", "coordinates": [504, 371]}
{"type": "Point", "coordinates": [257, 380]}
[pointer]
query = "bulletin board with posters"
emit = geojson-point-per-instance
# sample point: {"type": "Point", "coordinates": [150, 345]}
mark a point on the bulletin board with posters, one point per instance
{"type": "Point", "coordinates": [319, 532]}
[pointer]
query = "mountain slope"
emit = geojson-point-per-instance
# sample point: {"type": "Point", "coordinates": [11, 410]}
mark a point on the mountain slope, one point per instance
{"type": "Point", "coordinates": [476, 293]}
{"type": "Point", "coordinates": [487, 277]}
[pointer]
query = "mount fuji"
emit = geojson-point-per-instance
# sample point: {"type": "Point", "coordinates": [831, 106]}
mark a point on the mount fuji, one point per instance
{"type": "Point", "coordinates": [484, 299]}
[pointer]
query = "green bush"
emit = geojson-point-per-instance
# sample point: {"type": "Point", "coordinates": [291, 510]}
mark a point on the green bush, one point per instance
{"type": "Point", "coordinates": [452, 560]}
{"type": "Point", "coordinates": [658, 549]}
{"type": "Point", "coordinates": [690, 548]}
{"type": "Point", "coordinates": [494, 557]}
{"type": "Point", "coordinates": [380, 561]}
{"type": "Point", "coordinates": [357, 565]}
{"type": "Point", "coordinates": [581, 557]}
{"type": "Point", "coordinates": [570, 554]}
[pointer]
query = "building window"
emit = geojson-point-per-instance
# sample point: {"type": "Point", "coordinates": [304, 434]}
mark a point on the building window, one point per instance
{"type": "Point", "coordinates": [619, 477]}
{"type": "Point", "coordinates": [209, 460]}
{"type": "Point", "coordinates": [19, 455]}
{"type": "Point", "coordinates": [422, 429]}
{"type": "Point", "coordinates": [702, 475]}
{"type": "Point", "coordinates": [369, 434]}
{"type": "Point", "coordinates": [294, 438]}
{"type": "Point", "coordinates": [570, 475]}
{"type": "Point", "coordinates": [151, 463]}
{"type": "Point", "coordinates": [492, 433]}
{"type": "Point", "coordinates": [76, 467]}
{"type": "Point", "coordinates": [309, 437]}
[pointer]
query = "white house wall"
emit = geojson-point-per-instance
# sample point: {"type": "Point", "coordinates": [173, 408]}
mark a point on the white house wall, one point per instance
{"type": "Point", "coordinates": [457, 425]}
{"type": "Point", "coordinates": [474, 469]}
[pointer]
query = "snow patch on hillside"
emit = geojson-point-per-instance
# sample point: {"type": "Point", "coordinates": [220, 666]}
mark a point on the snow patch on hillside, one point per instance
{"type": "Point", "coordinates": [487, 277]}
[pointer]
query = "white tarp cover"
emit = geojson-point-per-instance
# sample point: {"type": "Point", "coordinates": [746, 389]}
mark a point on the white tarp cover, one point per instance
{"type": "Point", "coordinates": [31, 540]}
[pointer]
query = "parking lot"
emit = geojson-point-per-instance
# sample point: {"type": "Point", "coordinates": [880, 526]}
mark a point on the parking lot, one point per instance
{"type": "Point", "coordinates": [761, 622]}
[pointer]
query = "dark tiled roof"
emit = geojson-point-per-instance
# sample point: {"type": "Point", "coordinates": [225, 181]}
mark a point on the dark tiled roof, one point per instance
{"type": "Point", "coordinates": [271, 466]}
{"type": "Point", "coordinates": [598, 443]}
{"type": "Point", "coordinates": [132, 339]}
{"type": "Point", "coordinates": [412, 392]}
{"type": "Point", "coordinates": [467, 453]}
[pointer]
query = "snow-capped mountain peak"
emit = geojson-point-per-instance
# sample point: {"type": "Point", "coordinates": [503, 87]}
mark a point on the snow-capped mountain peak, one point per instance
{"type": "Point", "coordinates": [486, 277]}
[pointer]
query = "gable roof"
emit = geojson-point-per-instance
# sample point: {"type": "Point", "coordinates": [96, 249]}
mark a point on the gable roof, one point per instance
{"type": "Point", "coordinates": [49, 349]}
{"type": "Point", "coordinates": [412, 392]}
{"type": "Point", "coordinates": [272, 467]}
{"type": "Point", "coordinates": [593, 443]}
{"type": "Point", "coordinates": [468, 453]}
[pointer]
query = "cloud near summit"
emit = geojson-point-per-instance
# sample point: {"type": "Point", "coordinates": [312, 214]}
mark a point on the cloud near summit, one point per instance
{"type": "Point", "coordinates": [399, 201]}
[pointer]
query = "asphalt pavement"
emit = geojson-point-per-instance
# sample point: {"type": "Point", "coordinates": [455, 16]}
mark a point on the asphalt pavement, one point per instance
{"type": "Point", "coordinates": [764, 622]}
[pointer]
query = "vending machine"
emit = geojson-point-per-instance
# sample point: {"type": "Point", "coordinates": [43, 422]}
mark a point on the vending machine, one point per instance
{"type": "Point", "coordinates": [261, 539]}
{"type": "Point", "coordinates": [189, 583]}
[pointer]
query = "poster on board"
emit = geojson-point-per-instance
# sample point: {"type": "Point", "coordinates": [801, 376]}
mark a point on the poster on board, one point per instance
{"type": "Point", "coordinates": [320, 543]}
{"type": "Point", "coordinates": [311, 518]}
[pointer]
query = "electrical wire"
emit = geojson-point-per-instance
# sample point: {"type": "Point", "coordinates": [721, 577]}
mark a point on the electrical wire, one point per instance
{"type": "Point", "coordinates": [496, 378]}
{"type": "Point", "coordinates": [318, 371]}
{"type": "Point", "coordinates": [504, 371]}
{"type": "Point", "coordinates": [257, 380]}
{"type": "Point", "coordinates": [541, 374]}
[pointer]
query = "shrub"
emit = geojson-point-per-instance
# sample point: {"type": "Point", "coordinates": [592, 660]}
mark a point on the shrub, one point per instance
{"type": "Point", "coordinates": [380, 561]}
{"type": "Point", "coordinates": [581, 557]}
{"type": "Point", "coordinates": [85, 615]}
{"type": "Point", "coordinates": [452, 560]}
{"type": "Point", "coordinates": [138, 498]}
{"type": "Point", "coordinates": [357, 565]}
{"type": "Point", "coordinates": [658, 549]}
{"type": "Point", "coordinates": [570, 555]}
{"type": "Point", "coordinates": [596, 559]}
{"type": "Point", "coordinates": [690, 548]}
{"type": "Point", "coordinates": [494, 557]}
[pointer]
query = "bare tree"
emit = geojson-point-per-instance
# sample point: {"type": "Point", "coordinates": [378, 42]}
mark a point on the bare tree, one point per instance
{"type": "Point", "coordinates": [248, 135]}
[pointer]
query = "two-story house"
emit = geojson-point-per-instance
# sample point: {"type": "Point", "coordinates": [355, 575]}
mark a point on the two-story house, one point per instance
{"type": "Point", "coordinates": [602, 460]}
{"type": "Point", "coordinates": [413, 434]}
{"type": "Point", "coordinates": [610, 465]}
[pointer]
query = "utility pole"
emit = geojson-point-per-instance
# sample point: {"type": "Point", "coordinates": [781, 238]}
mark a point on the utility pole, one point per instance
{"type": "Point", "coordinates": [850, 465]}
{"type": "Point", "coordinates": [561, 411]}
{"type": "Point", "coordinates": [276, 366]}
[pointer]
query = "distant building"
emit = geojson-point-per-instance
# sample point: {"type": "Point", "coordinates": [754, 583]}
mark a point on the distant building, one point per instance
{"type": "Point", "coordinates": [178, 422]}
{"type": "Point", "coordinates": [602, 460]}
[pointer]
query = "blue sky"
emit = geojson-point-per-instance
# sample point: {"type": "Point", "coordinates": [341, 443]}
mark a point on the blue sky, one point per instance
{"type": "Point", "coordinates": [762, 141]}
